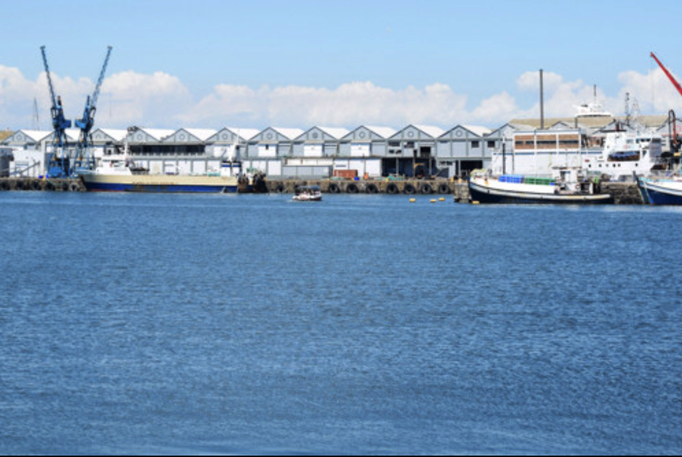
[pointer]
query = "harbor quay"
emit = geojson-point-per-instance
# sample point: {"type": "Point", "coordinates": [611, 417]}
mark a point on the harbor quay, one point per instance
{"type": "Point", "coordinates": [40, 184]}
{"type": "Point", "coordinates": [625, 193]}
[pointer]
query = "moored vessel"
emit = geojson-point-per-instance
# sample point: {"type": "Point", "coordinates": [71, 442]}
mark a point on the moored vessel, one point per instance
{"type": "Point", "coordinates": [625, 153]}
{"type": "Point", "coordinates": [566, 188]}
{"type": "Point", "coordinates": [118, 173]}
{"type": "Point", "coordinates": [660, 190]}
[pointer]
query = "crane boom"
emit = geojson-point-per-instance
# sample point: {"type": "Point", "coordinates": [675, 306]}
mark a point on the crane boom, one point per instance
{"type": "Point", "coordinates": [95, 95]}
{"type": "Point", "coordinates": [59, 122]}
{"type": "Point", "coordinates": [83, 154]}
{"type": "Point", "coordinates": [49, 78]}
{"type": "Point", "coordinates": [667, 73]}
{"type": "Point", "coordinates": [88, 120]}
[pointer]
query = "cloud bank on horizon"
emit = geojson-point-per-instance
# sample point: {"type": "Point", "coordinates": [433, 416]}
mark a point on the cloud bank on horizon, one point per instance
{"type": "Point", "coordinates": [162, 100]}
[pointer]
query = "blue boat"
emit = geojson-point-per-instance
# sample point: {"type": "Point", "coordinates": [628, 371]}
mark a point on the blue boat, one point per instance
{"type": "Point", "coordinates": [660, 191]}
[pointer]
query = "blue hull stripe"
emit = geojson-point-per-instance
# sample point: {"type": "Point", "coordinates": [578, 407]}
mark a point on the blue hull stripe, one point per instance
{"type": "Point", "coordinates": [106, 187]}
{"type": "Point", "coordinates": [660, 198]}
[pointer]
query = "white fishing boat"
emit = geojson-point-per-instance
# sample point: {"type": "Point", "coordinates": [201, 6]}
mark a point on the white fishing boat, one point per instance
{"type": "Point", "coordinates": [567, 187]}
{"type": "Point", "coordinates": [118, 173]}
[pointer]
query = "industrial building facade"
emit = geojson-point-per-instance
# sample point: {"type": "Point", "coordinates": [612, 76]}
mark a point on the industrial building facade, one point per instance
{"type": "Point", "coordinates": [322, 152]}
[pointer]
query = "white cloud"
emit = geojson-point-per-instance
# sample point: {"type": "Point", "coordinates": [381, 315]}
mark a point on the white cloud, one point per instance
{"type": "Point", "coordinates": [162, 100]}
{"type": "Point", "coordinates": [653, 91]}
{"type": "Point", "coordinates": [350, 104]}
{"type": "Point", "coordinates": [146, 100]}
{"type": "Point", "coordinates": [493, 109]}
{"type": "Point", "coordinates": [530, 81]}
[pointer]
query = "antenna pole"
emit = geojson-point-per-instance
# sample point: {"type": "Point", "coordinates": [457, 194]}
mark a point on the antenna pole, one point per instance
{"type": "Point", "coordinates": [542, 103]}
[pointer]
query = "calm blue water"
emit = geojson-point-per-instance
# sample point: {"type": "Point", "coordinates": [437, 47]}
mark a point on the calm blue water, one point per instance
{"type": "Point", "coordinates": [182, 324]}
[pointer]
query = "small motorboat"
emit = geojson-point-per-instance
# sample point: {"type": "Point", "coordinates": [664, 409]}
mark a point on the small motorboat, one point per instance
{"type": "Point", "coordinates": [308, 194]}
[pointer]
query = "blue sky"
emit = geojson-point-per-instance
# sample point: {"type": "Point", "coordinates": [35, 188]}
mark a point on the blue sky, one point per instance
{"type": "Point", "coordinates": [257, 63]}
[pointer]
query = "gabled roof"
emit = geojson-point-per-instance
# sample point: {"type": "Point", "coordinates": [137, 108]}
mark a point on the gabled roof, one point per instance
{"type": "Point", "coordinates": [425, 130]}
{"type": "Point", "coordinates": [561, 125]}
{"type": "Point", "coordinates": [276, 134]}
{"type": "Point", "coordinates": [114, 134]}
{"type": "Point", "coordinates": [465, 132]}
{"type": "Point", "coordinates": [159, 134]}
{"type": "Point", "coordinates": [325, 134]}
{"type": "Point", "coordinates": [202, 134]}
{"type": "Point", "coordinates": [232, 134]}
{"type": "Point", "coordinates": [512, 127]}
{"type": "Point", "coordinates": [5, 134]}
{"type": "Point", "coordinates": [246, 134]}
{"type": "Point", "coordinates": [434, 131]}
{"type": "Point", "coordinates": [478, 130]}
{"type": "Point", "coordinates": [521, 126]}
{"type": "Point", "coordinates": [288, 133]}
{"type": "Point", "coordinates": [337, 133]}
{"type": "Point", "coordinates": [385, 132]}
{"type": "Point", "coordinates": [184, 135]}
{"type": "Point", "coordinates": [33, 135]}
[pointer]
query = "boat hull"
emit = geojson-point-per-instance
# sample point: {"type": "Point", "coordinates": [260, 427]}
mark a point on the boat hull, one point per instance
{"type": "Point", "coordinates": [660, 192]}
{"type": "Point", "coordinates": [160, 183]}
{"type": "Point", "coordinates": [486, 194]}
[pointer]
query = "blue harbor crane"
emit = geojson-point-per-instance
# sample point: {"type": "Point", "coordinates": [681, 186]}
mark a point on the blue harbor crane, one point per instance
{"type": "Point", "coordinates": [83, 156]}
{"type": "Point", "coordinates": [58, 163]}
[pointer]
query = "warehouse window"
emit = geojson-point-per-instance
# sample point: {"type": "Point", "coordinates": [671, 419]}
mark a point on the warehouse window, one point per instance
{"type": "Point", "coordinates": [475, 144]}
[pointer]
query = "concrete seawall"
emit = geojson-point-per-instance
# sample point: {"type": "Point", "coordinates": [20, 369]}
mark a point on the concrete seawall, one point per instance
{"type": "Point", "coordinates": [624, 193]}
{"type": "Point", "coordinates": [332, 186]}
{"type": "Point", "coordinates": [35, 184]}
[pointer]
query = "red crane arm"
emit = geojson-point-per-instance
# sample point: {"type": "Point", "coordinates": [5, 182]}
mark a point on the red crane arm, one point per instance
{"type": "Point", "coordinates": [667, 73]}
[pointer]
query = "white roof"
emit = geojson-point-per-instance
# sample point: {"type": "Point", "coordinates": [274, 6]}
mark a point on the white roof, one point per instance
{"type": "Point", "coordinates": [478, 130]}
{"type": "Point", "coordinates": [431, 130]}
{"type": "Point", "coordinates": [159, 134]}
{"type": "Point", "coordinates": [74, 134]}
{"type": "Point", "coordinates": [247, 134]}
{"type": "Point", "coordinates": [385, 132]}
{"type": "Point", "coordinates": [202, 134]}
{"type": "Point", "coordinates": [337, 133]}
{"type": "Point", "coordinates": [289, 133]}
{"type": "Point", "coordinates": [116, 134]}
{"type": "Point", "coordinates": [36, 135]}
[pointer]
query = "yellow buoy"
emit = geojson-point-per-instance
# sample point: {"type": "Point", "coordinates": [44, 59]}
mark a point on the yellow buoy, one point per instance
{"type": "Point", "coordinates": [412, 200]}
{"type": "Point", "coordinates": [474, 203]}
{"type": "Point", "coordinates": [442, 199]}
{"type": "Point", "coordinates": [433, 200]}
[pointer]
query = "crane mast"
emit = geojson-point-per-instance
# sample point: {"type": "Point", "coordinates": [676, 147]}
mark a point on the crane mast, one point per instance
{"type": "Point", "coordinates": [84, 158]}
{"type": "Point", "coordinates": [58, 163]}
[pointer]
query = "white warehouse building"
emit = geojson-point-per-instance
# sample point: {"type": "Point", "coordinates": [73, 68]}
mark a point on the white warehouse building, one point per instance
{"type": "Point", "coordinates": [323, 152]}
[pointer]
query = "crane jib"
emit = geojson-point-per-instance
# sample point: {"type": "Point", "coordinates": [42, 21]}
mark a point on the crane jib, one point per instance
{"type": "Point", "coordinates": [62, 161]}
{"type": "Point", "coordinates": [668, 74]}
